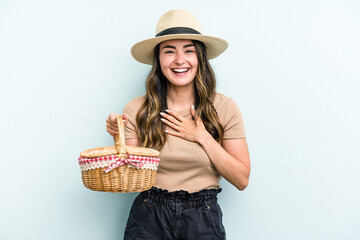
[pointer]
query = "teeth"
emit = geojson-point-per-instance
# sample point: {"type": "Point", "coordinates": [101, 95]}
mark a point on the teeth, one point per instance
{"type": "Point", "coordinates": [180, 70]}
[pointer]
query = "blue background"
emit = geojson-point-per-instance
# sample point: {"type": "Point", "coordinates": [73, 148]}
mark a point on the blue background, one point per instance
{"type": "Point", "coordinates": [292, 67]}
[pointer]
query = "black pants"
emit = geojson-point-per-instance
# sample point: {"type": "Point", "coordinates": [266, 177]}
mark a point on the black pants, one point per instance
{"type": "Point", "coordinates": [158, 214]}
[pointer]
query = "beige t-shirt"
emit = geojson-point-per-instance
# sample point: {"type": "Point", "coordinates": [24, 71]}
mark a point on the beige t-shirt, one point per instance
{"type": "Point", "coordinates": [184, 165]}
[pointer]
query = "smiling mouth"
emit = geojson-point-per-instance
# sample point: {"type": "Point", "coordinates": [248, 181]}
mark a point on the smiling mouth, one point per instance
{"type": "Point", "coordinates": [180, 70]}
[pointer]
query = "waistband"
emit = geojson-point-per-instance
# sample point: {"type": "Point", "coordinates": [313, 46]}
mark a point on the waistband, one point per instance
{"type": "Point", "coordinates": [183, 198]}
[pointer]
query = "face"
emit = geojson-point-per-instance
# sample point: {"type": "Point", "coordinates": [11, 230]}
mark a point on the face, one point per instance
{"type": "Point", "coordinates": [178, 61]}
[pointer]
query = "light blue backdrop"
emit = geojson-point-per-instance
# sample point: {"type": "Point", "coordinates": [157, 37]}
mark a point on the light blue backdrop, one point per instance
{"type": "Point", "coordinates": [292, 67]}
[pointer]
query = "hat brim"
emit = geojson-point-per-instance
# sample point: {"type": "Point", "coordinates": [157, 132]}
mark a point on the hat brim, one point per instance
{"type": "Point", "coordinates": [143, 51]}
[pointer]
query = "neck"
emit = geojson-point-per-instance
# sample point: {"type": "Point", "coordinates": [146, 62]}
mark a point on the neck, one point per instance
{"type": "Point", "coordinates": [180, 98]}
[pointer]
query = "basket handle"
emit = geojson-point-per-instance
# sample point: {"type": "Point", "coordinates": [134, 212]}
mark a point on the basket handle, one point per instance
{"type": "Point", "coordinates": [119, 139]}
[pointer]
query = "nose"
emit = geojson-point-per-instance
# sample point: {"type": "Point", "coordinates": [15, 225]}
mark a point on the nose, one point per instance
{"type": "Point", "coordinates": [179, 58]}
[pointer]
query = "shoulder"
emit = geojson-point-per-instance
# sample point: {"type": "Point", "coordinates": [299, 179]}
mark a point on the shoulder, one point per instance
{"type": "Point", "coordinates": [226, 108]}
{"type": "Point", "coordinates": [135, 102]}
{"type": "Point", "coordinates": [131, 108]}
{"type": "Point", "coordinates": [230, 116]}
{"type": "Point", "coordinates": [222, 102]}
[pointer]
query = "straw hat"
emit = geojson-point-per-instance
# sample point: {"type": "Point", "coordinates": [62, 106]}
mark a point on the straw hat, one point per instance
{"type": "Point", "coordinates": [177, 24]}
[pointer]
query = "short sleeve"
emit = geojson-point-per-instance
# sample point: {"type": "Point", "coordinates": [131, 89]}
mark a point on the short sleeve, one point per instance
{"type": "Point", "coordinates": [130, 110]}
{"type": "Point", "coordinates": [231, 118]}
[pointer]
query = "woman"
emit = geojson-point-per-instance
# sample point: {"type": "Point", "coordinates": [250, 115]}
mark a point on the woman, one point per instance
{"type": "Point", "coordinates": [200, 134]}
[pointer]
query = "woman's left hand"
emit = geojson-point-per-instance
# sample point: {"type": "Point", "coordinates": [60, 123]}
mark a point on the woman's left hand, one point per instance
{"type": "Point", "coordinates": [191, 130]}
{"type": "Point", "coordinates": [231, 159]}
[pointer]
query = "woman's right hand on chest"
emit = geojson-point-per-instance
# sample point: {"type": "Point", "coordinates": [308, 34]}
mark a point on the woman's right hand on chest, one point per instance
{"type": "Point", "coordinates": [111, 123]}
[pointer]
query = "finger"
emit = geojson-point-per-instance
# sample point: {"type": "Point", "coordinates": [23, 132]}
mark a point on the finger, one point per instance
{"type": "Point", "coordinates": [170, 124]}
{"type": "Point", "coordinates": [112, 127]}
{"type": "Point", "coordinates": [171, 118]}
{"type": "Point", "coordinates": [113, 117]}
{"type": "Point", "coordinates": [111, 132]}
{"type": "Point", "coordinates": [125, 119]}
{"type": "Point", "coordinates": [175, 114]}
{"type": "Point", "coordinates": [193, 111]}
{"type": "Point", "coordinates": [109, 122]}
{"type": "Point", "coordinates": [177, 134]}
{"type": "Point", "coordinates": [194, 115]}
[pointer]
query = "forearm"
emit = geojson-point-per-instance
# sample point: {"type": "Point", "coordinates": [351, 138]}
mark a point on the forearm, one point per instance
{"type": "Point", "coordinates": [232, 169]}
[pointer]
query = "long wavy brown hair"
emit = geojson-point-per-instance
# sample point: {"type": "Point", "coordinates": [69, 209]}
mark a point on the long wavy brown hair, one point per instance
{"type": "Point", "coordinates": [151, 130]}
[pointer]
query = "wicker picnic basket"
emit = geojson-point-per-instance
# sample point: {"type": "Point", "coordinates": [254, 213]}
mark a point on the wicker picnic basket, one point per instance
{"type": "Point", "coordinates": [119, 168]}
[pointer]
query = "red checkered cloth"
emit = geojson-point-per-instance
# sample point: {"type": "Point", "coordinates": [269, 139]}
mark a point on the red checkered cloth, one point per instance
{"type": "Point", "coordinates": [134, 160]}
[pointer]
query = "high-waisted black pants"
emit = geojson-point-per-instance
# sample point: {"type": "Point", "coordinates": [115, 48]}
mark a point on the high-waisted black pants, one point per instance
{"type": "Point", "coordinates": [157, 214]}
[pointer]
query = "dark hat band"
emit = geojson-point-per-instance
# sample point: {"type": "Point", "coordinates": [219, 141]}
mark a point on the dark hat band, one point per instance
{"type": "Point", "coordinates": [177, 30]}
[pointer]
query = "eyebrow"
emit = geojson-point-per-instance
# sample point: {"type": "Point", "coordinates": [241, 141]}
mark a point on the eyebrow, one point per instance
{"type": "Point", "coordinates": [172, 47]}
{"type": "Point", "coordinates": [168, 46]}
{"type": "Point", "coordinates": [189, 45]}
